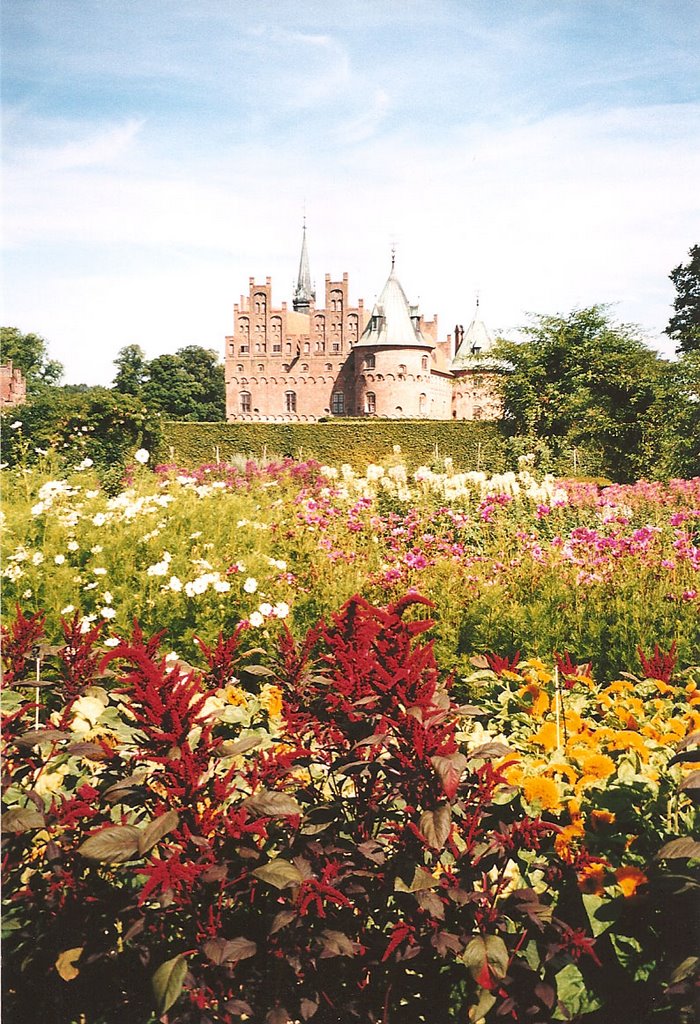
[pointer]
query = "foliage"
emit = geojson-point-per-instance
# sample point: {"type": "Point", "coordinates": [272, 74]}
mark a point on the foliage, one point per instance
{"type": "Point", "coordinates": [584, 383]}
{"type": "Point", "coordinates": [188, 385]}
{"type": "Point", "coordinates": [470, 445]}
{"type": "Point", "coordinates": [684, 325]}
{"type": "Point", "coordinates": [327, 834]}
{"type": "Point", "coordinates": [29, 353]}
{"type": "Point", "coordinates": [75, 423]}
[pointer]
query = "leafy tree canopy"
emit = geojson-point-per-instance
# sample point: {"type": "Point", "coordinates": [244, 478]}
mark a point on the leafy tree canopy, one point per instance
{"type": "Point", "coordinates": [186, 385]}
{"type": "Point", "coordinates": [583, 382]}
{"type": "Point", "coordinates": [29, 353]}
{"type": "Point", "coordinates": [684, 325]}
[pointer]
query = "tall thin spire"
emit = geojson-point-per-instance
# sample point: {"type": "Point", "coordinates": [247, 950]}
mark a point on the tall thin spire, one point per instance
{"type": "Point", "coordinates": [304, 294]}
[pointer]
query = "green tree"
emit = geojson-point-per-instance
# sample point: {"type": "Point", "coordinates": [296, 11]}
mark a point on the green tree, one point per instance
{"type": "Point", "coordinates": [29, 353]}
{"type": "Point", "coordinates": [582, 382]}
{"type": "Point", "coordinates": [684, 325]}
{"type": "Point", "coordinates": [188, 385]}
{"type": "Point", "coordinates": [132, 370]}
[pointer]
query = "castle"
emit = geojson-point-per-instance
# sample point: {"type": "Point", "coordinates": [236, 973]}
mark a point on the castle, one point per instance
{"type": "Point", "coordinates": [13, 386]}
{"type": "Point", "coordinates": [312, 362]}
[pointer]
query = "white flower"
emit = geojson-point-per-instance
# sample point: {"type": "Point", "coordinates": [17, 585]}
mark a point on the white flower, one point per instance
{"type": "Point", "coordinates": [175, 584]}
{"type": "Point", "coordinates": [142, 456]}
{"type": "Point", "coordinates": [113, 641]}
{"type": "Point", "coordinates": [99, 519]}
{"type": "Point", "coordinates": [91, 494]}
{"type": "Point", "coordinates": [59, 559]}
{"type": "Point", "coordinates": [85, 464]}
{"type": "Point", "coordinates": [37, 558]}
{"type": "Point", "coordinates": [256, 619]}
{"type": "Point", "coordinates": [222, 586]}
{"type": "Point", "coordinates": [100, 571]}
{"type": "Point", "coordinates": [107, 597]}
{"type": "Point", "coordinates": [67, 610]}
{"type": "Point", "coordinates": [281, 610]}
{"type": "Point", "coordinates": [86, 622]}
{"type": "Point", "coordinates": [107, 612]}
{"type": "Point", "coordinates": [16, 425]}
{"type": "Point", "coordinates": [73, 545]}
{"type": "Point", "coordinates": [265, 609]}
{"type": "Point", "coordinates": [250, 585]}
{"type": "Point", "coordinates": [96, 550]}
{"type": "Point", "coordinates": [38, 508]}
{"type": "Point", "coordinates": [159, 569]}
{"type": "Point", "coordinates": [27, 594]}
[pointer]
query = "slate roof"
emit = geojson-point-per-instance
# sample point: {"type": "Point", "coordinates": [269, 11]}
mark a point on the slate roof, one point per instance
{"type": "Point", "coordinates": [394, 322]}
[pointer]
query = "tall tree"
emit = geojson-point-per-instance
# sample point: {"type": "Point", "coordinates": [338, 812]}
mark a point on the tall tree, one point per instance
{"type": "Point", "coordinates": [30, 354]}
{"type": "Point", "coordinates": [684, 325]}
{"type": "Point", "coordinates": [132, 370]}
{"type": "Point", "coordinates": [584, 382]}
{"type": "Point", "coordinates": [188, 385]}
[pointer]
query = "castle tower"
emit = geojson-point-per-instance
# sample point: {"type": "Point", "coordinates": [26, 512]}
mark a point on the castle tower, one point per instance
{"type": "Point", "coordinates": [475, 392]}
{"type": "Point", "coordinates": [304, 294]}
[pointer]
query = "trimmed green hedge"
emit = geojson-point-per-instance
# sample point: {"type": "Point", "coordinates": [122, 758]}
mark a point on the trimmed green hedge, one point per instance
{"type": "Point", "coordinates": [358, 442]}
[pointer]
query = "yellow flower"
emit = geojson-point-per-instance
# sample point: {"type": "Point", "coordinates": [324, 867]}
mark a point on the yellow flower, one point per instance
{"type": "Point", "coordinates": [601, 818]}
{"type": "Point", "coordinates": [629, 879]}
{"type": "Point", "coordinates": [562, 768]}
{"type": "Point", "coordinates": [539, 790]}
{"type": "Point", "coordinates": [626, 739]}
{"type": "Point", "coordinates": [235, 695]}
{"type": "Point", "coordinates": [568, 837]}
{"type": "Point", "coordinates": [271, 699]}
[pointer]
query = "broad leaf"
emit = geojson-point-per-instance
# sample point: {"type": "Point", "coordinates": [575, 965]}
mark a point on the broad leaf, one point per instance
{"type": "Point", "coordinates": [112, 845]}
{"type": "Point", "coordinates": [422, 879]}
{"type": "Point", "coordinates": [272, 805]}
{"type": "Point", "coordinates": [487, 959]}
{"type": "Point", "coordinates": [36, 736]}
{"type": "Point", "coordinates": [22, 819]}
{"type": "Point", "coordinates": [279, 873]}
{"type": "Point", "coordinates": [435, 825]}
{"type": "Point", "coordinates": [450, 770]}
{"type": "Point", "coordinates": [308, 1008]}
{"type": "Point", "coordinates": [684, 848]}
{"type": "Point", "coordinates": [156, 829]}
{"type": "Point", "coordinates": [167, 982]}
{"type": "Point", "coordinates": [338, 944]}
{"type": "Point", "coordinates": [65, 964]}
{"type": "Point", "coordinates": [602, 913]}
{"type": "Point", "coordinates": [222, 951]}
{"type": "Point", "coordinates": [573, 994]}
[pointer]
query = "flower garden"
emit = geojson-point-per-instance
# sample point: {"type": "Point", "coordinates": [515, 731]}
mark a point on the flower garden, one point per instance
{"type": "Point", "coordinates": [285, 742]}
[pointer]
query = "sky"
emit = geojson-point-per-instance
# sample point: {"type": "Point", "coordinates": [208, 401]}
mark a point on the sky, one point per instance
{"type": "Point", "coordinates": [543, 154]}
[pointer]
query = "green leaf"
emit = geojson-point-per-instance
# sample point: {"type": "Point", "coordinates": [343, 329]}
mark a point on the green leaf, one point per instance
{"type": "Point", "coordinates": [279, 873]}
{"type": "Point", "coordinates": [573, 994]}
{"type": "Point", "coordinates": [486, 957]}
{"type": "Point", "coordinates": [480, 1009]}
{"type": "Point", "coordinates": [112, 845]}
{"type": "Point", "coordinates": [602, 913]}
{"type": "Point", "coordinates": [156, 829]}
{"type": "Point", "coordinates": [167, 982]}
{"type": "Point", "coordinates": [450, 770]}
{"type": "Point", "coordinates": [630, 954]}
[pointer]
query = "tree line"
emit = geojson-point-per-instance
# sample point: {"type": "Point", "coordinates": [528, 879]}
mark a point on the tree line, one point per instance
{"type": "Point", "coordinates": [585, 394]}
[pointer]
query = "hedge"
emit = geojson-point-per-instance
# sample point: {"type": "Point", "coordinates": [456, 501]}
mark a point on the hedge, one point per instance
{"type": "Point", "coordinates": [358, 442]}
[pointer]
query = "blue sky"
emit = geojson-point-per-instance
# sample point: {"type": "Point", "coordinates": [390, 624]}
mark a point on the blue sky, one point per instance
{"type": "Point", "coordinates": [157, 153]}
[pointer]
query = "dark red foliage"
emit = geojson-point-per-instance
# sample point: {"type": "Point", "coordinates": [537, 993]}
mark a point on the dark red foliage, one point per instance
{"type": "Point", "coordinates": [19, 643]}
{"type": "Point", "coordinates": [78, 660]}
{"type": "Point", "coordinates": [660, 664]}
{"type": "Point", "coordinates": [499, 664]}
{"type": "Point", "coordinates": [569, 670]}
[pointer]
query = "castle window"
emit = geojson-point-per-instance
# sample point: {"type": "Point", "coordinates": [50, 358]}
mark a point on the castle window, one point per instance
{"type": "Point", "coordinates": [304, 367]}
{"type": "Point", "coordinates": [328, 367]}
{"type": "Point", "coordinates": [261, 366]}
{"type": "Point", "coordinates": [245, 402]}
{"type": "Point", "coordinates": [307, 348]}
{"type": "Point", "coordinates": [338, 403]}
{"type": "Point", "coordinates": [231, 348]}
{"type": "Point", "coordinates": [290, 401]}
{"type": "Point", "coordinates": [369, 362]}
{"type": "Point", "coordinates": [240, 367]}
{"type": "Point", "coordinates": [424, 363]}
{"type": "Point", "coordinates": [276, 347]}
{"type": "Point", "coordinates": [402, 369]}
{"type": "Point", "coordinates": [335, 346]}
{"type": "Point", "coordinates": [243, 349]}
{"type": "Point", "coordinates": [422, 405]}
{"type": "Point", "coordinates": [370, 403]}
{"type": "Point", "coordinates": [478, 412]}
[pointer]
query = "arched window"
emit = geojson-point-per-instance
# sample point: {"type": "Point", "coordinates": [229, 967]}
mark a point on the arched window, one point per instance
{"type": "Point", "coordinates": [424, 363]}
{"type": "Point", "coordinates": [290, 401]}
{"type": "Point", "coordinates": [304, 367]}
{"type": "Point", "coordinates": [338, 403]}
{"type": "Point", "coordinates": [244, 401]}
{"type": "Point", "coordinates": [402, 369]}
{"type": "Point", "coordinates": [370, 403]}
{"type": "Point", "coordinates": [370, 361]}
{"type": "Point", "coordinates": [422, 405]}
{"type": "Point", "coordinates": [328, 367]}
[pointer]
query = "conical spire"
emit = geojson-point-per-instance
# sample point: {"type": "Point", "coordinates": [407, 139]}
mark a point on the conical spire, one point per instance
{"type": "Point", "coordinates": [304, 294]}
{"type": "Point", "coordinates": [394, 321]}
{"type": "Point", "coordinates": [473, 344]}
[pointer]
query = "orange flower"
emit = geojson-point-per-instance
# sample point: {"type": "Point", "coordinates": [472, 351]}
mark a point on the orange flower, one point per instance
{"type": "Point", "coordinates": [546, 736]}
{"type": "Point", "coordinates": [629, 879]}
{"type": "Point", "coordinates": [591, 879]}
{"type": "Point", "coordinates": [542, 791]}
{"type": "Point", "coordinates": [601, 818]}
{"type": "Point", "coordinates": [536, 701]}
{"type": "Point", "coordinates": [626, 739]}
{"type": "Point", "coordinates": [568, 837]}
{"type": "Point", "coordinates": [597, 766]}
{"type": "Point", "coordinates": [562, 768]}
